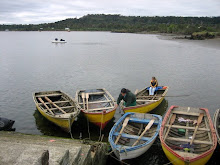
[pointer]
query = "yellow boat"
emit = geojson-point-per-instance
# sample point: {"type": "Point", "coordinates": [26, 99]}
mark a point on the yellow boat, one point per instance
{"type": "Point", "coordinates": [57, 107]}
{"type": "Point", "coordinates": [97, 105]}
{"type": "Point", "coordinates": [146, 103]}
{"type": "Point", "coordinates": [187, 136]}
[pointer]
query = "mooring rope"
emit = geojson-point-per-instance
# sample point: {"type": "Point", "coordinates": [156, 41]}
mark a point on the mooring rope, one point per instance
{"type": "Point", "coordinates": [171, 162]}
{"type": "Point", "coordinates": [119, 160]}
{"type": "Point", "coordinates": [100, 130]}
{"type": "Point", "coordinates": [88, 126]}
{"type": "Point", "coordinates": [70, 131]}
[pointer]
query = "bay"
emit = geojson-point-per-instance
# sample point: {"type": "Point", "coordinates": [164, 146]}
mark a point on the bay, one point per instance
{"type": "Point", "coordinates": [30, 62]}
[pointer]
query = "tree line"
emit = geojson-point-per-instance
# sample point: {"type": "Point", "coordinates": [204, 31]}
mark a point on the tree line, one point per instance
{"type": "Point", "coordinates": [131, 24]}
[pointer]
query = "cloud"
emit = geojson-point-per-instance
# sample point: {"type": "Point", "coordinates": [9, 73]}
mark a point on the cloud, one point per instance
{"type": "Point", "coordinates": [42, 11]}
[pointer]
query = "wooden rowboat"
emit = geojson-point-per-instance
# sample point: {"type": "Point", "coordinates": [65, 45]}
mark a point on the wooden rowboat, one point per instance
{"type": "Point", "coordinates": [57, 107]}
{"type": "Point", "coordinates": [97, 105]}
{"type": "Point", "coordinates": [146, 103]}
{"type": "Point", "coordinates": [133, 134]}
{"type": "Point", "coordinates": [216, 122]}
{"type": "Point", "coordinates": [187, 135]}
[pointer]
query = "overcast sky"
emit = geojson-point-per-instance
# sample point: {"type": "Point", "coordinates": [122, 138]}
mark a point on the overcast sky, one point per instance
{"type": "Point", "coordinates": [46, 11]}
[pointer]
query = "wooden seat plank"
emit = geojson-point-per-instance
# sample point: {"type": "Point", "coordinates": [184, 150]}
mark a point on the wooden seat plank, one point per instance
{"type": "Point", "coordinates": [103, 108]}
{"type": "Point", "coordinates": [66, 107]}
{"type": "Point", "coordinates": [94, 102]}
{"type": "Point", "coordinates": [131, 136]}
{"type": "Point", "coordinates": [50, 95]}
{"type": "Point", "coordinates": [54, 104]}
{"type": "Point", "coordinates": [95, 93]}
{"type": "Point", "coordinates": [189, 140]}
{"type": "Point", "coordinates": [186, 113]}
{"type": "Point", "coordinates": [57, 102]}
{"type": "Point", "coordinates": [185, 127]}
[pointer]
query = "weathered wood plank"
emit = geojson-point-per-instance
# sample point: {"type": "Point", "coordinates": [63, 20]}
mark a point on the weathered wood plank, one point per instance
{"type": "Point", "coordinates": [57, 102]}
{"type": "Point", "coordinates": [54, 104]}
{"type": "Point", "coordinates": [94, 102]}
{"type": "Point", "coordinates": [40, 99]}
{"type": "Point", "coordinates": [66, 107]}
{"type": "Point", "coordinates": [185, 127]}
{"type": "Point", "coordinates": [58, 94]}
{"type": "Point", "coordinates": [103, 108]}
{"type": "Point", "coordinates": [95, 93]}
{"type": "Point", "coordinates": [189, 140]}
{"type": "Point", "coordinates": [186, 113]}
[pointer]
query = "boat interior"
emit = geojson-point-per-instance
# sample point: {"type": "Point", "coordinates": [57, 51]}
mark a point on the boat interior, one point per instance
{"type": "Point", "coordinates": [143, 96]}
{"type": "Point", "coordinates": [216, 122]}
{"type": "Point", "coordinates": [95, 100]}
{"type": "Point", "coordinates": [134, 129]}
{"type": "Point", "coordinates": [55, 103]}
{"type": "Point", "coordinates": [189, 133]}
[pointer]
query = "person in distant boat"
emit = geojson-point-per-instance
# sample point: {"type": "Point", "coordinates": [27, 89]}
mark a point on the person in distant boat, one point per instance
{"type": "Point", "coordinates": [62, 40]}
{"type": "Point", "coordinates": [56, 39]}
{"type": "Point", "coordinates": [153, 86]}
{"type": "Point", "coordinates": [128, 97]}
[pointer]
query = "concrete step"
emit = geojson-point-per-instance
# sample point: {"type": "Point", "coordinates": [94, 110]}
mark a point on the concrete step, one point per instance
{"type": "Point", "coordinates": [23, 149]}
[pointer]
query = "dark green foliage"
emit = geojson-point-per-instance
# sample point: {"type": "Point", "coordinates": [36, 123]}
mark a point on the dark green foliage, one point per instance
{"type": "Point", "coordinates": [131, 24]}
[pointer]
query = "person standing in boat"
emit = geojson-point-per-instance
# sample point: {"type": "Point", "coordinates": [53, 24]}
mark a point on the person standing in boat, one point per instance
{"type": "Point", "coordinates": [153, 86]}
{"type": "Point", "coordinates": [128, 97]}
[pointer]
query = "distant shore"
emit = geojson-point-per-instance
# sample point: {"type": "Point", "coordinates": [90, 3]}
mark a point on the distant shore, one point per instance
{"type": "Point", "coordinates": [211, 43]}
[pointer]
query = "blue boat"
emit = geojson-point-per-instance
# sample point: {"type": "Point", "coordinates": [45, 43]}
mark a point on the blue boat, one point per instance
{"type": "Point", "coordinates": [133, 134]}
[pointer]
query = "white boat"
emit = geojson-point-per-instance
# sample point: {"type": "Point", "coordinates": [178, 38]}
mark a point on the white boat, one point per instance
{"type": "Point", "coordinates": [133, 134]}
{"type": "Point", "coordinates": [54, 41]}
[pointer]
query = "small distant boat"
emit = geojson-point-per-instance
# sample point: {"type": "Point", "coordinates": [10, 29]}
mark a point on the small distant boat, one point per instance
{"type": "Point", "coordinates": [6, 124]}
{"type": "Point", "coordinates": [57, 107]}
{"type": "Point", "coordinates": [97, 105]}
{"type": "Point", "coordinates": [216, 122]}
{"type": "Point", "coordinates": [146, 103]}
{"type": "Point", "coordinates": [133, 134]}
{"type": "Point", "coordinates": [187, 135]}
{"type": "Point", "coordinates": [58, 41]}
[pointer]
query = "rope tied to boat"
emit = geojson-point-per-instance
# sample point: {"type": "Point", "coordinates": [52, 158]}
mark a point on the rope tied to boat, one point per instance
{"type": "Point", "coordinates": [100, 130]}
{"type": "Point", "coordinates": [70, 131]}
{"type": "Point", "coordinates": [88, 127]}
{"type": "Point", "coordinates": [171, 162]}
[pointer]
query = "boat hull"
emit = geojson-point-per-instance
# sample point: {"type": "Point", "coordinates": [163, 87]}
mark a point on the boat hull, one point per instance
{"type": "Point", "coordinates": [64, 123]}
{"type": "Point", "coordinates": [100, 119]}
{"type": "Point", "coordinates": [216, 124]}
{"type": "Point", "coordinates": [99, 106]}
{"type": "Point", "coordinates": [129, 151]}
{"type": "Point", "coordinates": [134, 153]}
{"type": "Point", "coordinates": [145, 108]}
{"type": "Point", "coordinates": [149, 104]}
{"type": "Point", "coordinates": [55, 113]}
{"type": "Point", "coordinates": [180, 158]}
{"type": "Point", "coordinates": [58, 41]}
{"type": "Point", "coordinates": [176, 160]}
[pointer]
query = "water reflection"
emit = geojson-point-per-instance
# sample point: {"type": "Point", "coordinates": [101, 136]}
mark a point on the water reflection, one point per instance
{"type": "Point", "coordinates": [81, 129]}
{"type": "Point", "coordinates": [161, 109]}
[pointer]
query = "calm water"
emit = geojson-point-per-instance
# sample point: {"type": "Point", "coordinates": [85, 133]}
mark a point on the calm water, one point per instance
{"type": "Point", "coordinates": [29, 62]}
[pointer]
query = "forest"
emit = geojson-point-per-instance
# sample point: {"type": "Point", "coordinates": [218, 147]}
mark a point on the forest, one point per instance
{"type": "Point", "coordinates": [209, 26]}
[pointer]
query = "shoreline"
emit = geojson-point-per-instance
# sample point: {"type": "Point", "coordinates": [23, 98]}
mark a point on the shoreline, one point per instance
{"type": "Point", "coordinates": [210, 43]}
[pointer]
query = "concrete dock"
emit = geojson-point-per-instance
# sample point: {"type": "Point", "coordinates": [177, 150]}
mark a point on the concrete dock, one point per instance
{"type": "Point", "coordinates": [23, 149]}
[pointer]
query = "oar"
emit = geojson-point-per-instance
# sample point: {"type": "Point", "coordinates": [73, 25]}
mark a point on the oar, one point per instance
{"type": "Point", "coordinates": [87, 101]}
{"type": "Point", "coordinates": [122, 129]}
{"type": "Point", "coordinates": [51, 102]}
{"type": "Point", "coordinates": [136, 91]}
{"type": "Point", "coordinates": [145, 130]}
{"type": "Point", "coordinates": [83, 98]}
{"type": "Point", "coordinates": [197, 126]}
{"type": "Point", "coordinates": [171, 122]}
{"type": "Point", "coordinates": [40, 99]}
